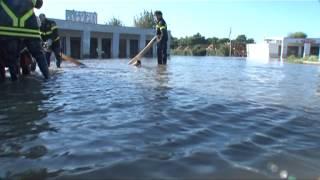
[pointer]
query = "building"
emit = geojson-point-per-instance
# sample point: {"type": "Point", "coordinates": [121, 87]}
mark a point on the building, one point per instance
{"type": "Point", "coordinates": [81, 37]}
{"type": "Point", "coordinates": [284, 47]}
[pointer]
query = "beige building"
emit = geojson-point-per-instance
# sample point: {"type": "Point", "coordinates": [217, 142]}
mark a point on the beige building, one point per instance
{"type": "Point", "coordinates": [81, 38]}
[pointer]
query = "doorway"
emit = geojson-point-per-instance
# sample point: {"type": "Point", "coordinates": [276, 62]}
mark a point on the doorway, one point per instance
{"type": "Point", "coordinates": [75, 43]}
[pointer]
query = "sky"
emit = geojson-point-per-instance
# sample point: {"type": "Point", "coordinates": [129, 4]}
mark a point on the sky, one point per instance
{"type": "Point", "coordinates": [256, 19]}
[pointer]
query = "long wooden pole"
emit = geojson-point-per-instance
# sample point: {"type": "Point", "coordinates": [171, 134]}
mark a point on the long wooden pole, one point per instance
{"type": "Point", "coordinates": [144, 51]}
{"type": "Point", "coordinates": [70, 59]}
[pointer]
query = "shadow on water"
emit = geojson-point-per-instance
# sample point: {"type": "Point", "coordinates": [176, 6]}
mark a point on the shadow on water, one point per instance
{"type": "Point", "coordinates": [22, 119]}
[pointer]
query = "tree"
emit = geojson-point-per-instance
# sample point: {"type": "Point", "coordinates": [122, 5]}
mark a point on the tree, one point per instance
{"type": "Point", "coordinates": [298, 35]}
{"type": "Point", "coordinates": [198, 39]}
{"type": "Point", "coordinates": [223, 40]}
{"type": "Point", "coordinates": [213, 40]}
{"type": "Point", "coordinates": [114, 22]}
{"type": "Point", "coordinates": [145, 20]}
{"type": "Point", "coordinates": [174, 42]}
{"type": "Point", "coordinates": [185, 41]}
{"type": "Point", "coordinates": [250, 41]}
{"type": "Point", "coordinates": [241, 38]}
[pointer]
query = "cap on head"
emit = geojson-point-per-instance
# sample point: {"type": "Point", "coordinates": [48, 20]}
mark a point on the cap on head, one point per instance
{"type": "Point", "coordinates": [158, 13]}
{"type": "Point", "coordinates": [38, 4]}
{"type": "Point", "coordinates": [42, 17]}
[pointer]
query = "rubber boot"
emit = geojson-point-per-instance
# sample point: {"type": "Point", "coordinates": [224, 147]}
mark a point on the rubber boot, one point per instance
{"type": "Point", "coordinates": [13, 72]}
{"type": "Point", "coordinates": [2, 73]}
{"type": "Point", "coordinates": [42, 64]}
{"type": "Point", "coordinates": [34, 47]}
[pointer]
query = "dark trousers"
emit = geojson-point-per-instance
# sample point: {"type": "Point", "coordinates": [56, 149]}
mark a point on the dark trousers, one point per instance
{"type": "Point", "coordinates": [55, 48]}
{"type": "Point", "coordinates": [12, 50]}
{"type": "Point", "coordinates": [2, 65]}
{"type": "Point", "coordinates": [162, 52]}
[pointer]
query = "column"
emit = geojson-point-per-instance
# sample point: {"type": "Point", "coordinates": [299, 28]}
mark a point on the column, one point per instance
{"type": "Point", "coordinates": [68, 45]}
{"type": "Point", "coordinates": [300, 53]}
{"type": "Point", "coordinates": [115, 45]}
{"type": "Point", "coordinates": [128, 48]}
{"type": "Point", "coordinates": [284, 49]}
{"type": "Point", "coordinates": [99, 48]}
{"type": "Point", "coordinates": [142, 41]}
{"type": "Point", "coordinates": [307, 48]}
{"type": "Point", "coordinates": [86, 37]}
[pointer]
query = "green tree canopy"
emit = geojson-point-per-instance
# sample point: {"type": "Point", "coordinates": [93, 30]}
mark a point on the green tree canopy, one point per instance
{"type": "Point", "coordinates": [184, 41]}
{"type": "Point", "coordinates": [198, 39]}
{"type": "Point", "coordinates": [115, 22]}
{"type": "Point", "coordinates": [223, 40]}
{"type": "Point", "coordinates": [298, 35]}
{"type": "Point", "coordinates": [250, 41]}
{"type": "Point", "coordinates": [213, 40]}
{"type": "Point", "coordinates": [241, 38]}
{"type": "Point", "coordinates": [174, 42]}
{"type": "Point", "coordinates": [145, 20]}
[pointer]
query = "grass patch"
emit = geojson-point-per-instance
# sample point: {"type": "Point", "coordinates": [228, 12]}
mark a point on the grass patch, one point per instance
{"type": "Point", "coordinates": [294, 59]}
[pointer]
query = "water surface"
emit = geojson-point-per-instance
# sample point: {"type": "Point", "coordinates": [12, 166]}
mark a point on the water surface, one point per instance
{"type": "Point", "coordinates": [197, 118]}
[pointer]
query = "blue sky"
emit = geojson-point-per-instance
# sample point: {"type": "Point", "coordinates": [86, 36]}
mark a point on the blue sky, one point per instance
{"type": "Point", "coordinates": [255, 18]}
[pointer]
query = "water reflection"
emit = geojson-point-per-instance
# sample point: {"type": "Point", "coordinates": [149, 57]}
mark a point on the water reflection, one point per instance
{"type": "Point", "coordinates": [22, 119]}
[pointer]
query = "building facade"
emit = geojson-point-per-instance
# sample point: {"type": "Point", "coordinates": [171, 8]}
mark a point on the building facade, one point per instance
{"type": "Point", "coordinates": [284, 47]}
{"type": "Point", "coordinates": [82, 39]}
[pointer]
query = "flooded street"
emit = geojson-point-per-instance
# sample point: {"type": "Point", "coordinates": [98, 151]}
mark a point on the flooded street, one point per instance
{"type": "Point", "coordinates": [196, 118]}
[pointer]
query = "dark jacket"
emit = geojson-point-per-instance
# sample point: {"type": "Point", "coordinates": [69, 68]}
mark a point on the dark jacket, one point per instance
{"type": "Point", "coordinates": [162, 29]}
{"type": "Point", "coordinates": [49, 30]}
{"type": "Point", "coordinates": [17, 18]}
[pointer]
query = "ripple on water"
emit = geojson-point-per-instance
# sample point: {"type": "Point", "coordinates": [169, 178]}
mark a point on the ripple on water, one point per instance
{"type": "Point", "coordinates": [198, 118]}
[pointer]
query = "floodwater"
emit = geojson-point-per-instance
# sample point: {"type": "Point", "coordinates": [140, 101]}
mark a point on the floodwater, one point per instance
{"type": "Point", "coordinates": [197, 118]}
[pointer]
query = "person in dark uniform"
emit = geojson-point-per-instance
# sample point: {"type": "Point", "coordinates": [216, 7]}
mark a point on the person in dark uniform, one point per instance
{"type": "Point", "coordinates": [162, 39]}
{"type": "Point", "coordinates": [49, 34]}
{"type": "Point", "coordinates": [19, 29]}
{"type": "Point", "coordinates": [2, 65]}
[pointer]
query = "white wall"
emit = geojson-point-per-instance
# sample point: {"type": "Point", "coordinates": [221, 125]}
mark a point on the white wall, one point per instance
{"type": "Point", "coordinates": [274, 51]}
{"type": "Point", "coordinates": [258, 51]}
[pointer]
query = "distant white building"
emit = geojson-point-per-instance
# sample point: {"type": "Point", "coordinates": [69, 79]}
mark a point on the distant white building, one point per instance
{"type": "Point", "coordinates": [283, 48]}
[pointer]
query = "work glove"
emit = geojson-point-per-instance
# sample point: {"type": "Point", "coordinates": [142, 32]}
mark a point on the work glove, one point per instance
{"type": "Point", "coordinates": [49, 43]}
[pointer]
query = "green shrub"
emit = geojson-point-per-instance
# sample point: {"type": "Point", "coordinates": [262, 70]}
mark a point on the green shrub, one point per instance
{"type": "Point", "coordinates": [294, 59]}
{"type": "Point", "coordinates": [199, 51]}
{"type": "Point", "coordinates": [181, 51]}
{"type": "Point", "coordinates": [223, 51]}
{"type": "Point", "coordinates": [211, 52]}
{"type": "Point", "coordinates": [311, 58]}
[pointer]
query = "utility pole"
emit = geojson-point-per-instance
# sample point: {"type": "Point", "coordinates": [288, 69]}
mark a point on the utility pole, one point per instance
{"type": "Point", "coordinates": [230, 48]}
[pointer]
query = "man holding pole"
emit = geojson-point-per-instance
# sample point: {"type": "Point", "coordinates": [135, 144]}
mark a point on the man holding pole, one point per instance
{"type": "Point", "coordinates": [50, 36]}
{"type": "Point", "coordinates": [162, 38]}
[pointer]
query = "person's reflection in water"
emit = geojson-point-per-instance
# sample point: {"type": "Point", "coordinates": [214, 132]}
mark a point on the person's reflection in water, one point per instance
{"type": "Point", "coordinates": [22, 119]}
{"type": "Point", "coordinates": [162, 82]}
